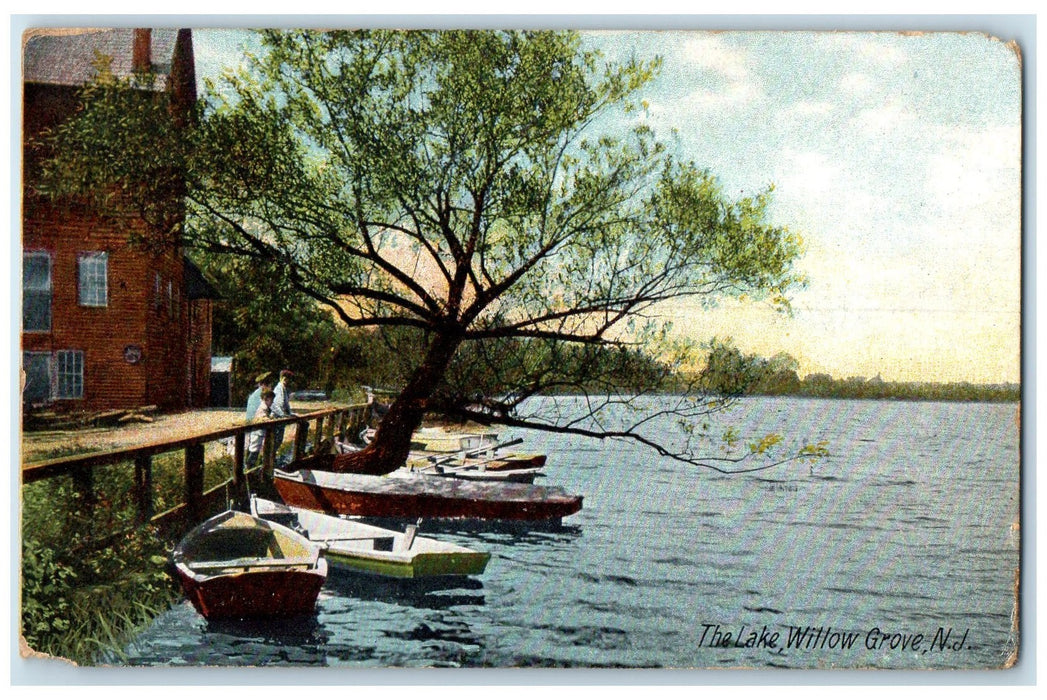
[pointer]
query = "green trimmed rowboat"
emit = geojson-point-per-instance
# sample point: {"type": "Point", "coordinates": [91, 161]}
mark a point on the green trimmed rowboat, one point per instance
{"type": "Point", "coordinates": [355, 546]}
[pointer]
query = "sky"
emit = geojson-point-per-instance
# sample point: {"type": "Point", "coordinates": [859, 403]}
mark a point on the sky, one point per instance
{"type": "Point", "coordinates": [896, 157]}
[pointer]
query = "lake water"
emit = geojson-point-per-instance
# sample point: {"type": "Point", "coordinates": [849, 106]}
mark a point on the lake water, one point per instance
{"type": "Point", "coordinates": [900, 551]}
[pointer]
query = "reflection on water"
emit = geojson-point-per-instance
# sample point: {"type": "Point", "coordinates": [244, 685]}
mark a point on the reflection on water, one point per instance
{"type": "Point", "coordinates": [906, 528]}
{"type": "Point", "coordinates": [181, 637]}
{"type": "Point", "coordinates": [433, 592]}
{"type": "Point", "coordinates": [289, 630]}
{"type": "Point", "coordinates": [521, 530]}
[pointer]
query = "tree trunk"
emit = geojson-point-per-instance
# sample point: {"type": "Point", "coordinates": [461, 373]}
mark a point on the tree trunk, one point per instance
{"type": "Point", "coordinates": [392, 441]}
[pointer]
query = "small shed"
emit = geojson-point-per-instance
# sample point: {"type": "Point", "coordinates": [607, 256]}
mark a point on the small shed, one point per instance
{"type": "Point", "coordinates": [221, 381]}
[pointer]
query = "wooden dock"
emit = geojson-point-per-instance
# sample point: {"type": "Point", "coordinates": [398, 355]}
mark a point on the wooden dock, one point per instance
{"type": "Point", "coordinates": [326, 425]}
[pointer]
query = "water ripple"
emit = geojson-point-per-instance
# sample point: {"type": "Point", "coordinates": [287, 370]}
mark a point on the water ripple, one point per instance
{"type": "Point", "coordinates": [879, 536]}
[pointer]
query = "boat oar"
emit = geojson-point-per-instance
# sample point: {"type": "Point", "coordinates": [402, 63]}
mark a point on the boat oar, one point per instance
{"type": "Point", "coordinates": [472, 452]}
{"type": "Point", "coordinates": [478, 451]}
{"type": "Point", "coordinates": [438, 463]}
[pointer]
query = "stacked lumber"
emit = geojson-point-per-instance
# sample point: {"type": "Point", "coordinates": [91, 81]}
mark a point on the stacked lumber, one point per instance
{"type": "Point", "coordinates": [53, 420]}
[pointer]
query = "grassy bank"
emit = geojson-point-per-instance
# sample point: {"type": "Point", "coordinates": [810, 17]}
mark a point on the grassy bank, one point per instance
{"type": "Point", "coordinates": [91, 579]}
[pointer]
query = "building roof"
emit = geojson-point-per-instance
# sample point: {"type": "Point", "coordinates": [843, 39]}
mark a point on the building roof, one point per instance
{"type": "Point", "coordinates": [67, 56]}
{"type": "Point", "coordinates": [196, 285]}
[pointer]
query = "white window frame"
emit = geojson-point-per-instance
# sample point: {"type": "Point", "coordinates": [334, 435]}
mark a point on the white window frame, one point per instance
{"type": "Point", "coordinates": [92, 279]}
{"type": "Point", "coordinates": [68, 374]}
{"type": "Point", "coordinates": [49, 288]}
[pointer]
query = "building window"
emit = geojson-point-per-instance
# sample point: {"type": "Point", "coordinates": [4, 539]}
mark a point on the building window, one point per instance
{"type": "Point", "coordinates": [93, 273]}
{"type": "Point", "coordinates": [69, 374]}
{"type": "Point", "coordinates": [170, 299]}
{"type": "Point", "coordinates": [37, 368]}
{"type": "Point", "coordinates": [36, 291]}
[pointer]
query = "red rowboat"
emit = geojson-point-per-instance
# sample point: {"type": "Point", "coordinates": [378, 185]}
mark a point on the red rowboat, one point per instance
{"type": "Point", "coordinates": [420, 496]}
{"type": "Point", "coordinates": [472, 473]}
{"type": "Point", "coordinates": [235, 565]}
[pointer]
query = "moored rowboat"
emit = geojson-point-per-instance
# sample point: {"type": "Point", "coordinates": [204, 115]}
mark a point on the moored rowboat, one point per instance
{"type": "Point", "coordinates": [496, 461]}
{"type": "Point", "coordinates": [470, 472]}
{"type": "Point", "coordinates": [440, 440]}
{"type": "Point", "coordinates": [356, 546]}
{"type": "Point", "coordinates": [473, 453]}
{"type": "Point", "coordinates": [235, 565]}
{"type": "Point", "coordinates": [421, 496]}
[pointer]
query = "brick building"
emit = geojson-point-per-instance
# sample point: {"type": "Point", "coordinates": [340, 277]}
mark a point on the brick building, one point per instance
{"type": "Point", "coordinates": [106, 323]}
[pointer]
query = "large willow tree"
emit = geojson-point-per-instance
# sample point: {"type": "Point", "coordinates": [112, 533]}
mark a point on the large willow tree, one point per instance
{"type": "Point", "coordinates": [472, 196]}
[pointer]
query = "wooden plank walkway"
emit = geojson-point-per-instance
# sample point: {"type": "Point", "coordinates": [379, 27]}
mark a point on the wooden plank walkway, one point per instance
{"type": "Point", "coordinates": [327, 424]}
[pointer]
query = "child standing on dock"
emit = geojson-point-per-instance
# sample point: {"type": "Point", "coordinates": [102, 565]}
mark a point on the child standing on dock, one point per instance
{"type": "Point", "coordinates": [265, 383]}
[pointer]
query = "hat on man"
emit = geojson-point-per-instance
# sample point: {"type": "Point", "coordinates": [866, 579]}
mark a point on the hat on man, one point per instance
{"type": "Point", "coordinates": [264, 377]}
{"type": "Point", "coordinates": [286, 373]}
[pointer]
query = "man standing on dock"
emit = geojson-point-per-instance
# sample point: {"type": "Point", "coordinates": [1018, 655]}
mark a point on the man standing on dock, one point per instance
{"type": "Point", "coordinates": [282, 404]}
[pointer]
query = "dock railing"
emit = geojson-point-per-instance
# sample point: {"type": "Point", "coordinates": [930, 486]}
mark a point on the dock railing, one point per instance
{"type": "Point", "coordinates": [199, 503]}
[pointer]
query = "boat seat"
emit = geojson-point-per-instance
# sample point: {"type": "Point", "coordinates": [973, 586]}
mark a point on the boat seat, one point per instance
{"type": "Point", "coordinates": [250, 563]}
{"type": "Point", "coordinates": [379, 544]}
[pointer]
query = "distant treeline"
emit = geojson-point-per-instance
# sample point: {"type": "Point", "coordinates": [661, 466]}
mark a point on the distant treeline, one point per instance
{"type": "Point", "coordinates": [730, 371]}
{"type": "Point", "coordinates": [825, 386]}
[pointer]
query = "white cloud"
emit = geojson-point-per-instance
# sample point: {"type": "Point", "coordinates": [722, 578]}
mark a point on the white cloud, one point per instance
{"type": "Point", "coordinates": [805, 109]}
{"type": "Point", "coordinates": [889, 117]}
{"type": "Point", "coordinates": [731, 83]}
{"type": "Point", "coordinates": [975, 167]}
{"type": "Point", "coordinates": [872, 48]}
{"type": "Point", "coordinates": [709, 51]}
{"type": "Point", "coordinates": [856, 84]}
{"type": "Point", "coordinates": [807, 175]}
{"type": "Point", "coordinates": [912, 222]}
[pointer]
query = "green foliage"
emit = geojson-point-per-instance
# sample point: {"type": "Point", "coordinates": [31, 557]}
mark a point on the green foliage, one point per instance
{"type": "Point", "coordinates": [730, 373]}
{"type": "Point", "coordinates": [825, 386]}
{"type": "Point", "coordinates": [46, 584]}
{"type": "Point", "coordinates": [812, 453]}
{"type": "Point", "coordinates": [458, 195]}
{"type": "Point", "coordinates": [90, 576]}
{"type": "Point", "coordinates": [767, 442]}
{"type": "Point", "coordinates": [84, 592]}
{"type": "Point", "coordinates": [267, 324]}
{"type": "Point", "coordinates": [86, 602]}
{"type": "Point", "coordinates": [123, 153]}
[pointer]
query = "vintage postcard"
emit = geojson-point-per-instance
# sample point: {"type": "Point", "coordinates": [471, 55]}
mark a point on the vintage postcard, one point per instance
{"type": "Point", "coordinates": [497, 348]}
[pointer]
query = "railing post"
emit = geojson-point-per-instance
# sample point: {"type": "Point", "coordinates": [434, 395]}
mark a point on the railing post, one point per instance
{"type": "Point", "coordinates": [268, 454]}
{"type": "Point", "coordinates": [350, 425]}
{"type": "Point", "coordinates": [239, 452]}
{"type": "Point", "coordinates": [301, 436]}
{"type": "Point", "coordinates": [319, 440]}
{"type": "Point", "coordinates": [329, 433]}
{"type": "Point", "coordinates": [239, 488]}
{"type": "Point", "coordinates": [144, 487]}
{"type": "Point", "coordinates": [84, 483]}
{"type": "Point", "coordinates": [194, 480]}
{"type": "Point", "coordinates": [343, 420]}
